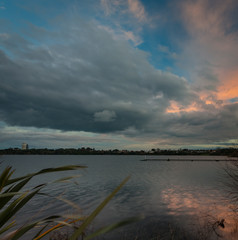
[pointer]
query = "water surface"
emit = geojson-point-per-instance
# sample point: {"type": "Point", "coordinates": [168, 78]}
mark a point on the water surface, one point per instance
{"type": "Point", "coordinates": [181, 194]}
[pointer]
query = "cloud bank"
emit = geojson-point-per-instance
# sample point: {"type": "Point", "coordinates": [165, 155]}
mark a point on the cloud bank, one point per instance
{"type": "Point", "coordinates": [70, 84]}
{"type": "Point", "coordinates": [84, 77]}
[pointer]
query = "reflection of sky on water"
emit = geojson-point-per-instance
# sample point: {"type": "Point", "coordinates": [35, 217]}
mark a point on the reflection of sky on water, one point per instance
{"type": "Point", "coordinates": [179, 200]}
{"type": "Point", "coordinates": [163, 192]}
{"type": "Point", "coordinates": [202, 206]}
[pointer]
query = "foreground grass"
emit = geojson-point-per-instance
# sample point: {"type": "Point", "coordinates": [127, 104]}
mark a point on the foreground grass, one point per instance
{"type": "Point", "coordinates": [13, 197]}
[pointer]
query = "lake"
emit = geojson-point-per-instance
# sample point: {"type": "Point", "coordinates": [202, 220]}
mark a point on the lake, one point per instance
{"type": "Point", "coordinates": [171, 196]}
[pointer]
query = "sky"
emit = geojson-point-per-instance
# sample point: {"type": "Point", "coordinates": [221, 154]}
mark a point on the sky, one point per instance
{"type": "Point", "coordinates": [125, 74]}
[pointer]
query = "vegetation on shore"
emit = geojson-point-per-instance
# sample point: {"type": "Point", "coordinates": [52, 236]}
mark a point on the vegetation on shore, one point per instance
{"type": "Point", "coordinates": [91, 151]}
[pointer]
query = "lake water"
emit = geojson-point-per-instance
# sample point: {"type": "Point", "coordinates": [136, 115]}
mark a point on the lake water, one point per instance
{"type": "Point", "coordinates": [187, 197]}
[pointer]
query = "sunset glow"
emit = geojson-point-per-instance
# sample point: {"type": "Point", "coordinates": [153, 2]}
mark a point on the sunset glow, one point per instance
{"type": "Point", "coordinates": [229, 87]}
{"type": "Point", "coordinates": [176, 108]}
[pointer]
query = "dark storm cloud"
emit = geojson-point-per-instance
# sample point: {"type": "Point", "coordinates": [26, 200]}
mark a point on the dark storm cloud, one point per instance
{"type": "Point", "coordinates": [191, 128]}
{"type": "Point", "coordinates": [82, 78]}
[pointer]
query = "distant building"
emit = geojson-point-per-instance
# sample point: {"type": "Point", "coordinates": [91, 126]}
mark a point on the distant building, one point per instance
{"type": "Point", "coordinates": [24, 146]}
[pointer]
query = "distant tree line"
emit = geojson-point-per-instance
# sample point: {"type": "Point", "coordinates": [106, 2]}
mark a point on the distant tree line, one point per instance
{"type": "Point", "coordinates": [91, 151]}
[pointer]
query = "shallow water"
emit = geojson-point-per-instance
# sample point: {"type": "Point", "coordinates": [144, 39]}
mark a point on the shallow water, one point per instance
{"type": "Point", "coordinates": [184, 195]}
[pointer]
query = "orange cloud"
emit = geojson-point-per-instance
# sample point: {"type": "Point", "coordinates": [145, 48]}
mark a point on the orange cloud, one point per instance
{"type": "Point", "coordinates": [203, 19]}
{"type": "Point", "coordinates": [229, 85]}
{"type": "Point", "coordinates": [175, 107]}
{"type": "Point", "coordinates": [227, 89]}
{"type": "Point", "coordinates": [215, 49]}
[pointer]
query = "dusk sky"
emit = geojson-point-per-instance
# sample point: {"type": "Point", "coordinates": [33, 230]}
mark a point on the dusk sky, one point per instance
{"type": "Point", "coordinates": [125, 74]}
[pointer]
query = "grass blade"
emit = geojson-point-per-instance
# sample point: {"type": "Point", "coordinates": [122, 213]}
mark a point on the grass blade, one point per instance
{"type": "Point", "coordinates": [23, 230]}
{"type": "Point", "coordinates": [3, 195]}
{"type": "Point", "coordinates": [15, 188]}
{"type": "Point", "coordinates": [91, 217]}
{"type": "Point", "coordinates": [61, 224]}
{"type": "Point", "coordinates": [4, 215]}
{"type": "Point", "coordinates": [46, 170]}
{"type": "Point", "coordinates": [7, 227]}
{"type": "Point", "coordinates": [41, 230]}
{"type": "Point", "coordinates": [6, 174]}
{"type": "Point", "coordinates": [65, 179]}
{"type": "Point", "coordinates": [15, 206]}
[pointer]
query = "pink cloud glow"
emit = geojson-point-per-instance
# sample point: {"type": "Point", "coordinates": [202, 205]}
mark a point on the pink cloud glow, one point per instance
{"type": "Point", "coordinates": [136, 7]}
{"type": "Point", "coordinates": [214, 50]}
{"type": "Point", "coordinates": [175, 107]}
{"type": "Point", "coordinates": [229, 87]}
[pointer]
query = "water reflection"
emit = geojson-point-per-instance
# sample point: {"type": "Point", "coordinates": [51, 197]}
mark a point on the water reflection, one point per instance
{"type": "Point", "coordinates": [171, 195]}
{"type": "Point", "coordinates": [231, 182]}
{"type": "Point", "coordinates": [205, 211]}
